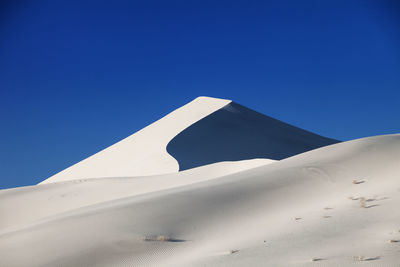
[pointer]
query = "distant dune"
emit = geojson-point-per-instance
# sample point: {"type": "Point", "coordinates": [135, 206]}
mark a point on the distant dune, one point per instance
{"type": "Point", "coordinates": [213, 184]}
{"type": "Point", "coordinates": [204, 131]}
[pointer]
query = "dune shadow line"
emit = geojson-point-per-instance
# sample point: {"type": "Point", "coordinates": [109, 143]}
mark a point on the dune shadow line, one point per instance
{"type": "Point", "coordinates": [235, 132]}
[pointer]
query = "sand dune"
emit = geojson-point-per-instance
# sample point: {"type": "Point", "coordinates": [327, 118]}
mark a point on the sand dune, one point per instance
{"type": "Point", "coordinates": [332, 206]}
{"type": "Point", "coordinates": [204, 131]}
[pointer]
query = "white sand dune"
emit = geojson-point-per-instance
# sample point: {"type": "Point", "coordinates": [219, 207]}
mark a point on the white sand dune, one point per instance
{"type": "Point", "coordinates": [333, 206]}
{"type": "Point", "coordinates": [204, 131]}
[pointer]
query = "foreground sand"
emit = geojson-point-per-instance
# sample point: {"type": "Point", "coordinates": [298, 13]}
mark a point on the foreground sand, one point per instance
{"type": "Point", "coordinates": [333, 206]}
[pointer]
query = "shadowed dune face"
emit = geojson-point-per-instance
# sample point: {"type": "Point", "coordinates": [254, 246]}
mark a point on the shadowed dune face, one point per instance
{"type": "Point", "coordinates": [235, 132]}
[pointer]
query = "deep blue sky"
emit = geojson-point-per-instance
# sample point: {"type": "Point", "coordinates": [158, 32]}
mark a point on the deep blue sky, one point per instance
{"type": "Point", "coordinates": [77, 76]}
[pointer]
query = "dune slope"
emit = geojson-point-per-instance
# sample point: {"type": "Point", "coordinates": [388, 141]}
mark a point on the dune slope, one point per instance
{"type": "Point", "coordinates": [55, 198]}
{"type": "Point", "coordinates": [332, 206]}
{"type": "Point", "coordinates": [142, 153]}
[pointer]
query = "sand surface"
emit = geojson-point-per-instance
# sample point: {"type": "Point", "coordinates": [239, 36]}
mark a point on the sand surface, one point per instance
{"type": "Point", "coordinates": [337, 205]}
{"type": "Point", "coordinates": [144, 152]}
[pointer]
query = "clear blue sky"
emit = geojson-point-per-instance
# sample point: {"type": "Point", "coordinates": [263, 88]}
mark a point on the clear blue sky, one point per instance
{"type": "Point", "coordinates": [77, 76]}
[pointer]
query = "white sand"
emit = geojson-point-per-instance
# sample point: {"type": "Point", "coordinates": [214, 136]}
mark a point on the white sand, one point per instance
{"type": "Point", "coordinates": [54, 198]}
{"type": "Point", "coordinates": [143, 153]}
{"type": "Point", "coordinates": [247, 213]}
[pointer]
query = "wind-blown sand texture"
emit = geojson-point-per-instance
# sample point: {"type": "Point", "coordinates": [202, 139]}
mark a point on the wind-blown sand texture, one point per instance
{"type": "Point", "coordinates": [308, 200]}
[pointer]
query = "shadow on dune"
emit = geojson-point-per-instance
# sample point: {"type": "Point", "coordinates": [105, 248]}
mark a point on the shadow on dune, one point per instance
{"type": "Point", "coordinates": [238, 133]}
